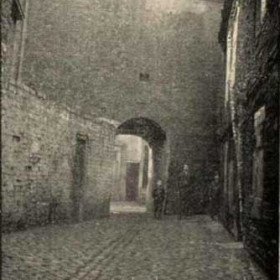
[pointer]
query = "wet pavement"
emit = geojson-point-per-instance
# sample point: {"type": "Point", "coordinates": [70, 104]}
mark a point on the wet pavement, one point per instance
{"type": "Point", "coordinates": [127, 246]}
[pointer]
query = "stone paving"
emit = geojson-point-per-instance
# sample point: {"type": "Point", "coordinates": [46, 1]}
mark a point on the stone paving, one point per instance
{"type": "Point", "coordinates": [127, 247]}
{"type": "Point", "coordinates": [127, 207]}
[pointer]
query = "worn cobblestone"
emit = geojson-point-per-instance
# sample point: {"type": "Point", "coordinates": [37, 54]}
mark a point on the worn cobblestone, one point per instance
{"type": "Point", "coordinates": [125, 247]}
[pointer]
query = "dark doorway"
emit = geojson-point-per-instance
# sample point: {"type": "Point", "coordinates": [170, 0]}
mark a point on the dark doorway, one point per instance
{"type": "Point", "coordinates": [79, 175]}
{"type": "Point", "coordinates": [132, 176]}
{"type": "Point", "coordinates": [159, 152]}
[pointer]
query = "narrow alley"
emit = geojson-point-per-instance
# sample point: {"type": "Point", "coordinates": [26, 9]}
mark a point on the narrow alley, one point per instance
{"type": "Point", "coordinates": [140, 139]}
{"type": "Point", "coordinates": [128, 246]}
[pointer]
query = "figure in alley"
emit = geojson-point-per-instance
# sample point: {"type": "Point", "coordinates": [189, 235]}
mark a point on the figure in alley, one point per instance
{"type": "Point", "coordinates": [183, 192]}
{"type": "Point", "coordinates": [159, 198]}
{"type": "Point", "coordinates": [214, 199]}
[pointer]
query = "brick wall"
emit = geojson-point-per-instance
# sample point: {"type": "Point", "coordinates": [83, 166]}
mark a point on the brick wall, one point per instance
{"type": "Point", "coordinates": [70, 57]}
{"type": "Point", "coordinates": [261, 220]}
{"type": "Point", "coordinates": [39, 144]}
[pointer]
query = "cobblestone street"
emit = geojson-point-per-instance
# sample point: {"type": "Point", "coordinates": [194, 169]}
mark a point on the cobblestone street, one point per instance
{"type": "Point", "coordinates": [127, 246]}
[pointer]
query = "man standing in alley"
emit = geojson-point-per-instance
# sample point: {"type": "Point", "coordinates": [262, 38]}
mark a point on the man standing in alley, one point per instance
{"type": "Point", "coordinates": [214, 200]}
{"type": "Point", "coordinates": [159, 197]}
{"type": "Point", "coordinates": [183, 191]}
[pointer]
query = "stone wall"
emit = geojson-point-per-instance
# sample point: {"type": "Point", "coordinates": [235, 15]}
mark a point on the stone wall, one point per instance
{"type": "Point", "coordinates": [261, 213]}
{"type": "Point", "coordinates": [257, 90]}
{"type": "Point", "coordinates": [126, 59]}
{"type": "Point", "coordinates": [39, 158]}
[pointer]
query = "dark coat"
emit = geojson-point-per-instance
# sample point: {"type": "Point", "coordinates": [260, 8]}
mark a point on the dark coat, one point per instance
{"type": "Point", "coordinates": [158, 194]}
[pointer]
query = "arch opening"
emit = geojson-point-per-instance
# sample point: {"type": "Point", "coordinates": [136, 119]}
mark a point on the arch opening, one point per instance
{"type": "Point", "coordinates": [142, 159]}
{"type": "Point", "coordinates": [145, 128]}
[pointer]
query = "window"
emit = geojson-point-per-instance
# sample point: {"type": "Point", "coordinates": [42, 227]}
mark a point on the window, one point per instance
{"type": "Point", "coordinates": [260, 12]}
{"type": "Point", "coordinates": [262, 9]}
{"type": "Point", "coordinates": [258, 160]}
{"type": "Point", "coordinates": [144, 77]}
{"type": "Point", "coordinates": [231, 53]}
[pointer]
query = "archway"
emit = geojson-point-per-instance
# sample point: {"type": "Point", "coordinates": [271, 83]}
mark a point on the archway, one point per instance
{"type": "Point", "coordinates": [156, 148]}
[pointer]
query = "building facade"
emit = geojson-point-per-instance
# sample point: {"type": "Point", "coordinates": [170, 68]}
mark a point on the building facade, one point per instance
{"type": "Point", "coordinates": [57, 165]}
{"type": "Point", "coordinates": [156, 60]}
{"type": "Point", "coordinates": [249, 37]}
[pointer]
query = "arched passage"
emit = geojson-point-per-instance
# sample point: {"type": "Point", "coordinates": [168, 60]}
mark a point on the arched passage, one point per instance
{"type": "Point", "coordinates": [156, 137]}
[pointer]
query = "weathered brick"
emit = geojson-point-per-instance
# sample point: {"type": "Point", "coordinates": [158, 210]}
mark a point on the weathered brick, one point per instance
{"type": "Point", "coordinates": [38, 151]}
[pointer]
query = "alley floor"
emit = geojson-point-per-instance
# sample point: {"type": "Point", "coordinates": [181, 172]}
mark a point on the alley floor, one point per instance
{"type": "Point", "coordinates": [127, 246]}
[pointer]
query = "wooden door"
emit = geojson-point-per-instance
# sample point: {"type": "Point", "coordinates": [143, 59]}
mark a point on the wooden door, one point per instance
{"type": "Point", "coordinates": [79, 177]}
{"type": "Point", "coordinates": [132, 177]}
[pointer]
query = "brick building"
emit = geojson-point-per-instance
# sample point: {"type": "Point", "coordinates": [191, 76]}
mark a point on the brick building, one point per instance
{"type": "Point", "coordinates": [249, 36]}
{"type": "Point", "coordinates": [57, 165]}
{"type": "Point", "coordinates": [157, 60]}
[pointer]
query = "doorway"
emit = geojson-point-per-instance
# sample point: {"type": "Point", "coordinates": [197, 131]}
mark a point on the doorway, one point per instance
{"type": "Point", "coordinates": [132, 179]}
{"type": "Point", "coordinates": [79, 176]}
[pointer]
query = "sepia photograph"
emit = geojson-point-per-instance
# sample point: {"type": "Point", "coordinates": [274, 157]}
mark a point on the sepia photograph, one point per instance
{"type": "Point", "coordinates": [140, 139]}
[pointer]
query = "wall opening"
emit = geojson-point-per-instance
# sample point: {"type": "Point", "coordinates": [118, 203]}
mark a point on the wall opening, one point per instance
{"type": "Point", "coordinates": [142, 160]}
{"type": "Point", "coordinates": [132, 179]}
{"type": "Point", "coordinates": [79, 176]}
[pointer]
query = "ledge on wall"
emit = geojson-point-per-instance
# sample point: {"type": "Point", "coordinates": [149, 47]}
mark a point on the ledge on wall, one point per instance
{"type": "Point", "coordinates": [16, 84]}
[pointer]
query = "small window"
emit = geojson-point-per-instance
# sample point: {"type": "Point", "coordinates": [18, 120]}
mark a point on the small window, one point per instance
{"type": "Point", "coordinates": [16, 138]}
{"type": "Point", "coordinates": [258, 124]}
{"type": "Point", "coordinates": [144, 77]}
{"type": "Point", "coordinates": [263, 9]}
{"type": "Point", "coordinates": [260, 12]}
{"type": "Point", "coordinates": [258, 161]}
